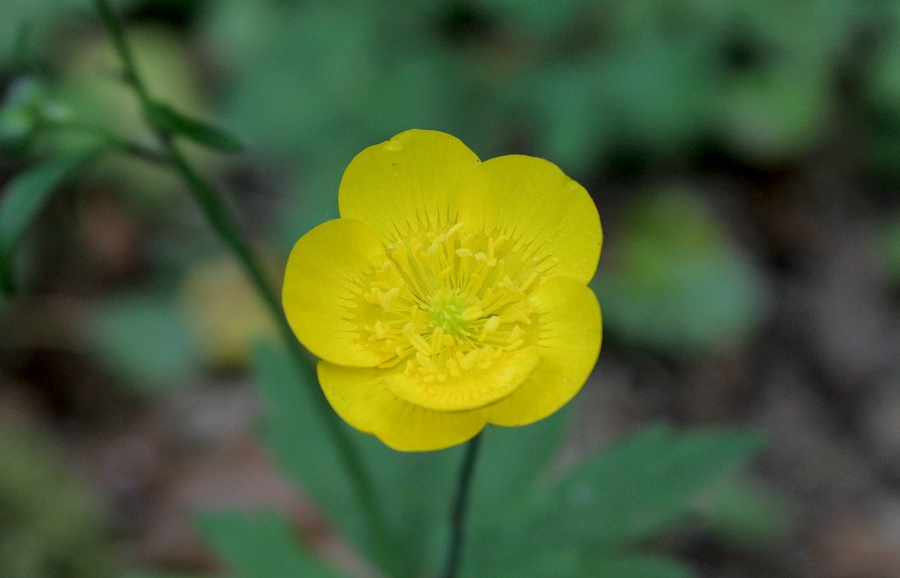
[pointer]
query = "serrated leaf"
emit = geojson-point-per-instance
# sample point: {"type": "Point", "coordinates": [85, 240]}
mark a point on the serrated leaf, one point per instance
{"type": "Point", "coordinates": [259, 545]}
{"type": "Point", "coordinates": [167, 119]}
{"type": "Point", "coordinates": [26, 194]}
{"type": "Point", "coordinates": [644, 486]}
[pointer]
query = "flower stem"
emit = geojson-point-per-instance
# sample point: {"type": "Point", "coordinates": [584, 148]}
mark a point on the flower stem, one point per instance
{"type": "Point", "coordinates": [458, 514]}
{"type": "Point", "coordinates": [207, 196]}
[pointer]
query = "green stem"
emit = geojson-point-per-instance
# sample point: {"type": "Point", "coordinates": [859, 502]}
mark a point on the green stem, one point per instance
{"type": "Point", "coordinates": [458, 514]}
{"type": "Point", "coordinates": [209, 200]}
{"type": "Point", "coordinates": [207, 197]}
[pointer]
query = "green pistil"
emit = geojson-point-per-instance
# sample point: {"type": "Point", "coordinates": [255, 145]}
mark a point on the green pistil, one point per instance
{"type": "Point", "coordinates": [447, 312]}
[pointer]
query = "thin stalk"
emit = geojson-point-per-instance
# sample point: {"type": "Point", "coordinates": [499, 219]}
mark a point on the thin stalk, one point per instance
{"type": "Point", "coordinates": [458, 514]}
{"type": "Point", "coordinates": [208, 198]}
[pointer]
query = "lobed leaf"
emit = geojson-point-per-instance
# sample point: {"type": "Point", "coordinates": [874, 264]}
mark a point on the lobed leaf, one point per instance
{"type": "Point", "coordinates": [644, 486]}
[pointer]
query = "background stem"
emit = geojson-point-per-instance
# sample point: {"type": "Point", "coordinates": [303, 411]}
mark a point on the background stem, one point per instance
{"type": "Point", "coordinates": [458, 514]}
{"type": "Point", "coordinates": [209, 199]}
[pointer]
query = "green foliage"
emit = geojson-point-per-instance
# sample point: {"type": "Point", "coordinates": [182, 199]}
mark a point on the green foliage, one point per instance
{"type": "Point", "coordinates": [524, 522]}
{"type": "Point", "coordinates": [589, 522]}
{"type": "Point", "coordinates": [260, 545]}
{"type": "Point", "coordinates": [412, 490]}
{"type": "Point", "coordinates": [746, 515]}
{"type": "Point", "coordinates": [311, 83]}
{"type": "Point", "coordinates": [582, 79]}
{"type": "Point", "coordinates": [673, 281]}
{"type": "Point", "coordinates": [94, 92]}
{"type": "Point", "coordinates": [883, 98]}
{"type": "Point", "coordinates": [38, 19]}
{"type": "Point", "coordinates": [644, 486]}
{"type": "Point", "coordinates": [290, 416]}
{"type": "Point", "coordinates": [144, 341]}
{"type": "Point", "coordinates": [887, 247]}
{"type": "Point", "coordinates": [24, 197]}
{"type": "Point", "coordinates": [48, 525]}
{"type": "Point", "coordinates": [23, 111]}
{"type": "Point", "coordinates": [167, 119]}
{"type": "Point", "coordinates": [774, 116]}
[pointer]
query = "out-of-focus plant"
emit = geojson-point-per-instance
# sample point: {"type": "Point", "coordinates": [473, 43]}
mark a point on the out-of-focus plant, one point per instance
{"type": "Point", "coordinates": [674, 282]}
{"type": "Point", "coordinates": [225, 314]}
{"type": "Point", "coordinates": [887, 247]}
{"type": "Point", "coordinates": [526, 517]}
{"type": "Point", "coordinates": [144, 341]}
{"type": "Point", "coordinates": [95, 95]}
{"type": "Point", "coordinates": [49, 527]}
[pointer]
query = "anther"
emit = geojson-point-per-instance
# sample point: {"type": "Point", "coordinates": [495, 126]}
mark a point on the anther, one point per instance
{"type": "Point", "coordinates": [420, 344]}
{"type": "Point", "coordinates": [472, 313]}
{"type": "Point", "coordinates": [387, 297]}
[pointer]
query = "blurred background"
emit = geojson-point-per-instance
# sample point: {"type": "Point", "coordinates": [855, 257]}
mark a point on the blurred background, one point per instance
{"type": "Point", "coordinates": [744, 157]}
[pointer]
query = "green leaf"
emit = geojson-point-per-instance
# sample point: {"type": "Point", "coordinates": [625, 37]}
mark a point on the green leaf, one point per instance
{"type": "Point", "coordinates": [297, 434]}
{"type": "Point", "coordinates": [775, 117]}
{"type": "Point", "coordinates": [26, 194]}
{"type": "Point", "coordinates": [643, 486]}
{"type": "Point", "coordinates": [745, 515]}
{"type": "Point", "coordinates": [412, 490]}
{"type": "Point", "coordinates": [298, 437]}
{"type": "Point", "coordinates": [675, 282]}
{"type": "Point", "coordinates": [259, 545]}
{"type": "Point", "coordinates": [168, 120]}
{"type": "Point", "coordinates": [512, 458]}
{"type": "Point", "coordinates": [507, 491]}
{"type": "Point", "coordinates": [144, 341]}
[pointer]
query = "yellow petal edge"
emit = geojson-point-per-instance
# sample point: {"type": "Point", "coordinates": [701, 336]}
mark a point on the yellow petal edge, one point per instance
{"type": "Point", "coordinates": [319, 292]}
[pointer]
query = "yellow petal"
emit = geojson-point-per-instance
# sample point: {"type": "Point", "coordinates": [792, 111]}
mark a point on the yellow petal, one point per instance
{"type": "Point", "coordinates": [569, 343]}
{"type": "Point", "coordinates": [551, 219]}
{"type": "Point", "coordinates": [320, 294]}
{"type": "Point", "coordinates": [361, 398]}
{"type": "Point", "coordinates": [406, 182]}
{"type": "Point", "coordinates": [474, 388]}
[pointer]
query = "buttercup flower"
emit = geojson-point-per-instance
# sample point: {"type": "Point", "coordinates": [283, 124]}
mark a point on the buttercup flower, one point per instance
{"type": "Point", "coordinates": [451, 293]}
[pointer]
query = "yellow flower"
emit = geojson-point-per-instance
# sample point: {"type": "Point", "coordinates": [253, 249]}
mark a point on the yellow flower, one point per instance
{"type": "Point", "coordinates": [451, 293]}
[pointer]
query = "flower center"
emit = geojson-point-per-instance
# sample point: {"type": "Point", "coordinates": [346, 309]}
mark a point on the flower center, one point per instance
{"type": "Point", "coordinates": [447, 313]}
{"type": "Point", "coordinates": [449, 308]}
